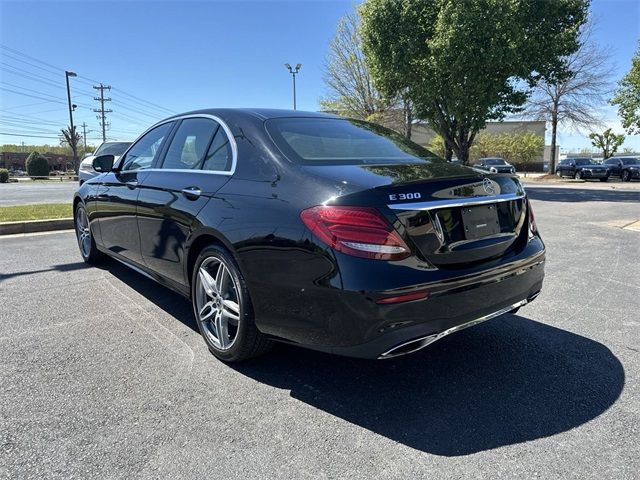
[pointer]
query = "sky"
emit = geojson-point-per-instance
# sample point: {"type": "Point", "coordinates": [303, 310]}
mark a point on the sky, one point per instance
{"type": "Point", "coordinates": [165, 57]}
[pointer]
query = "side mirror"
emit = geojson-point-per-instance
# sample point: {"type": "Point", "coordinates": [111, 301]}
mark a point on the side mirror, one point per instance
{"type": "Point", "coordinates": [103, 163]}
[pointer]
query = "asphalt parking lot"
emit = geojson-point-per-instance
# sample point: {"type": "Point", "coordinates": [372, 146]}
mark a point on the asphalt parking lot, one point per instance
{"type": "Point", "coordinates": [104, 375]}
{"type": "Point", "coordinates": [28, 193]}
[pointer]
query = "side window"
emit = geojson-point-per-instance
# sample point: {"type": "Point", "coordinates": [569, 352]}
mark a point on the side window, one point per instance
{"type": "Point", "coordinates": [144, 151]}
{"type": "Point", "coordinates": [219, 156]}
{"type": "Point", "coordinates": [189, 144]}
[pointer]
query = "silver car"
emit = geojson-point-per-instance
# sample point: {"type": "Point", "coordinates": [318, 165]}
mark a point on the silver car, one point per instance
{"type": "Point", "coordinates": [86, 171]}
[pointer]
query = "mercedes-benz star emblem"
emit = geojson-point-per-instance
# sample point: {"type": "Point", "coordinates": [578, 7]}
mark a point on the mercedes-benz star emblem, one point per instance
{"type": "Point", "coordinates": [488, 186]}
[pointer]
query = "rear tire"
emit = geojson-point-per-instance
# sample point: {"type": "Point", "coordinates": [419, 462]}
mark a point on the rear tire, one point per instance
{"type": "Point", "coordinates": [223, 308]}
{"type": "Point", "coordinates": [86, 243]}
{"type": "Point", "coordinates": [605, 179]}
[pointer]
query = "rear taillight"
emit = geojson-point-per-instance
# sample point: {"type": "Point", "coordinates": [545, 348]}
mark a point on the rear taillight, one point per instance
{"type": "Point", "coordinates": [533, 228]}
{"type": "Point", "coordinates": [357, 231]}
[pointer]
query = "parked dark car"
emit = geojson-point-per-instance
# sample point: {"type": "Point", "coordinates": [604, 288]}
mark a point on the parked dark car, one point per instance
{"type": "Point", "coordinates": [495, 165]}
{"type": "Point", "coordinates": [333, 234]}
{"type": "Point", "coordinates": [582, 168]}
{"type": "Point", "coordinates": [626, 168]}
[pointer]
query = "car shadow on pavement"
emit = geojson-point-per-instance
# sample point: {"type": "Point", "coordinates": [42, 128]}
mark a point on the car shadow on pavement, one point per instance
{"type": "Point", "coordinates": [552, 194]}
{"type": "Point", "coordinates": [64, 267]}
{"type": "Point", "coordinates": [171, 302]}
{"type": "Point", "coordinates": [507, 381]}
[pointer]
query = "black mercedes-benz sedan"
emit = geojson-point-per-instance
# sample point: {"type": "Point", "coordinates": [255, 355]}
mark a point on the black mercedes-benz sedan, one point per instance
{"type": "Point", "coordinates": [332, 234]}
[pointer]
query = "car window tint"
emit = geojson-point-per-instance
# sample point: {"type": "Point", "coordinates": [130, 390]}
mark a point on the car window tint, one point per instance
{"type": "Point", "coordinates": [189, 144]}
{"type": "Point", "coordinates": [219, 155]}
{"type": "Point", "coordinates": [145, 150]}
{"type": "Point", "coordinates": [116, 149]}
{"type": "Point", "coordinates": [326, 141]}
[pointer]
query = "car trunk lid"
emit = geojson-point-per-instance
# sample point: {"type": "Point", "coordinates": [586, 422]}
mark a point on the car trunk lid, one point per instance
{"type": "Point", "coordinates": [452, 215]}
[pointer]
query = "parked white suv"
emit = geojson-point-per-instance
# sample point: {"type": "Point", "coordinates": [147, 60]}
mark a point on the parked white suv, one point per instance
{"type": "Point", "coordinates": [86, 171]}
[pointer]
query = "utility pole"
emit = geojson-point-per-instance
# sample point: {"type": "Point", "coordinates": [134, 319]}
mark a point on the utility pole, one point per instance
{"type": "Point", "coordinates": [84, 134]}
{"type": "Point", "coordinates": [101, 110]}
{"type": "Point", "coordinates": [293, 72]}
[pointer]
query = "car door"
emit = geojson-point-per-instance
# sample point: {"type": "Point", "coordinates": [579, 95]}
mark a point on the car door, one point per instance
{"type": "Point", "coordinates": [615, 166]}
{"type": "Point", "coordinates": [197, 163]}
{"type": "Point", "coordinates": [117, 198]}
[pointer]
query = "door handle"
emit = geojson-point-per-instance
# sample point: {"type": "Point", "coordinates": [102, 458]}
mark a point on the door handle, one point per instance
{"type": "Point", "coordinates": [132, 184]}
{"type": "Point", "coordinates": [192, 193]}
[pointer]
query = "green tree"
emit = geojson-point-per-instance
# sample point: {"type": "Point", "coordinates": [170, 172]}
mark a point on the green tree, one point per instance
{"type": "Point", "coordinates": [37, 165]}
{"type": "Point", "coordinates": [519, 149]}
{"type": "Point", "coordinates": [627, 97]}
{"type": "Point", "coordinates": [607, 141]}
{"type": "Point", "coordinates": [436, 145]}
{"type": "Point", "coordinates": [525, 148]}
{"type": "Point", "coordinates": [462, 63]}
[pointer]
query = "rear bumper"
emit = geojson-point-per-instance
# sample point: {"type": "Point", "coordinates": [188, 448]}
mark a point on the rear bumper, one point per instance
{"type": "Point", "coordinates": [413, 325]}
{"type": "Point", "coordinates": [346, 320]}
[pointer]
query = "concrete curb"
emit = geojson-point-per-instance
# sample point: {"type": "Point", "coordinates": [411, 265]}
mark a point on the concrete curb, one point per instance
{"type": "Point", "coordinates": [12, 228]}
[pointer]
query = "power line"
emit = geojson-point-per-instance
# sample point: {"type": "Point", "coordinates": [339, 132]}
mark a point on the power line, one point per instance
{"type": "Point", "coordinates": [36, 78]}
{"type": "Point", "coordinates": [24, 135]}
{"type": "Point", "coordinates": [53, 69]}
{"type": "Point", "coordinates": [32, 96]}
{"type": "Point", "coordinates": [134, 98]}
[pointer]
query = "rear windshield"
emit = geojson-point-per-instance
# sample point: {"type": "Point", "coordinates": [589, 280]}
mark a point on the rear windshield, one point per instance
{"type": "Point", "coordinates": [116, 149]}
{"type": "Point", "coordinates": [494, 161]}
{"type": "Point", "coordinates": [335, 141]}
{"type": "Point", "coordinates": [584, 161]}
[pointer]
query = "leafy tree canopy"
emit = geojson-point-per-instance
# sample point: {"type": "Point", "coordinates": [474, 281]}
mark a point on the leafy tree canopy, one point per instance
{"type": "Point", "coordinates": [627, 97]}
{"type": "Point", "coordinates": [607, 142]}
{"type": "Point", "coordinates": [462, 63]}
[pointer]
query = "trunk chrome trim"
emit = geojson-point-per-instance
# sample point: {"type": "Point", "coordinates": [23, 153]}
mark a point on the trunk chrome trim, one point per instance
{"type": "Point", "coordinates": [419, 343]}
{"type": "Point", "coordinates": [457, 202]}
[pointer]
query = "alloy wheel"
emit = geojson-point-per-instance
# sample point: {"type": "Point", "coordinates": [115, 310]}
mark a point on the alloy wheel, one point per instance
{"type": "Point", "coordinates": [83, 232]}
{"type": "Point", "coordinates": [625, 176]}
{"type": "Point", "coordinates": [218, 303]}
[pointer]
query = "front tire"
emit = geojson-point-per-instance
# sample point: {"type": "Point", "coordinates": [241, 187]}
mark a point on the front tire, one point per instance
{"type": "Point", "coordinates": [577, 175]}
{"type": "Point", "coordinates": [223, 308]}
{"type": "Point", "coordinates": [86, 243]}
{"type": "Point", "coordinates": [626, 176]}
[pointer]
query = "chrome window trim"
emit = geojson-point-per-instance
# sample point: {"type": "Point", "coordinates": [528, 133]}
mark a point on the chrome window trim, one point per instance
{"type": "Point", "coordinates": [457, 202]}
{"type": "Point", "coordinates": [222, 123]}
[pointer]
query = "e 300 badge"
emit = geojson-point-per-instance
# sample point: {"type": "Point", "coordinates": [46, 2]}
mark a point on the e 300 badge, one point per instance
{"type": "Point", "coordinates": [404, 196]}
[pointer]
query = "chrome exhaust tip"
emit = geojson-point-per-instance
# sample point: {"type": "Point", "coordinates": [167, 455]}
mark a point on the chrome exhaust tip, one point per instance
{"type": "Point", "coordinates": [419, 343]}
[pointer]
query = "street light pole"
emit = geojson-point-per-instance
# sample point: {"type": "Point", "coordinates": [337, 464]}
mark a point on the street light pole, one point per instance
{"type": "Point", "coordinates": [293, 72]}
{"type": "Point", "coordinates": [68, 74]}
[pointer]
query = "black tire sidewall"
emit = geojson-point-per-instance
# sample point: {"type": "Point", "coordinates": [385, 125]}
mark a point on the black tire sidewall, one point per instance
{"type": "Point", "coordinates": [246, 322]}
{"type": "Point", "coordinates": [93, 255]}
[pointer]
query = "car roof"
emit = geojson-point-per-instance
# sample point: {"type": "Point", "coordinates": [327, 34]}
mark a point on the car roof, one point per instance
{"type": "Point", "coordinates": [260, 113]}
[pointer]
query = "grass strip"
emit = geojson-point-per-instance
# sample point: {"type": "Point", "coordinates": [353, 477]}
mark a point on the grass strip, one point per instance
{"type": "Point", "coordinates": [44, 211]}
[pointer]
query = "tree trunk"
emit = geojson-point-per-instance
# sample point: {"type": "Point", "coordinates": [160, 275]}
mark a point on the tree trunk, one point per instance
{"type": "Point", "coordinates": [408, 118]}
{"type": "Point", "coordinates": [554, 134]}
{"type": "Point", "coordinates": [448, 151]}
